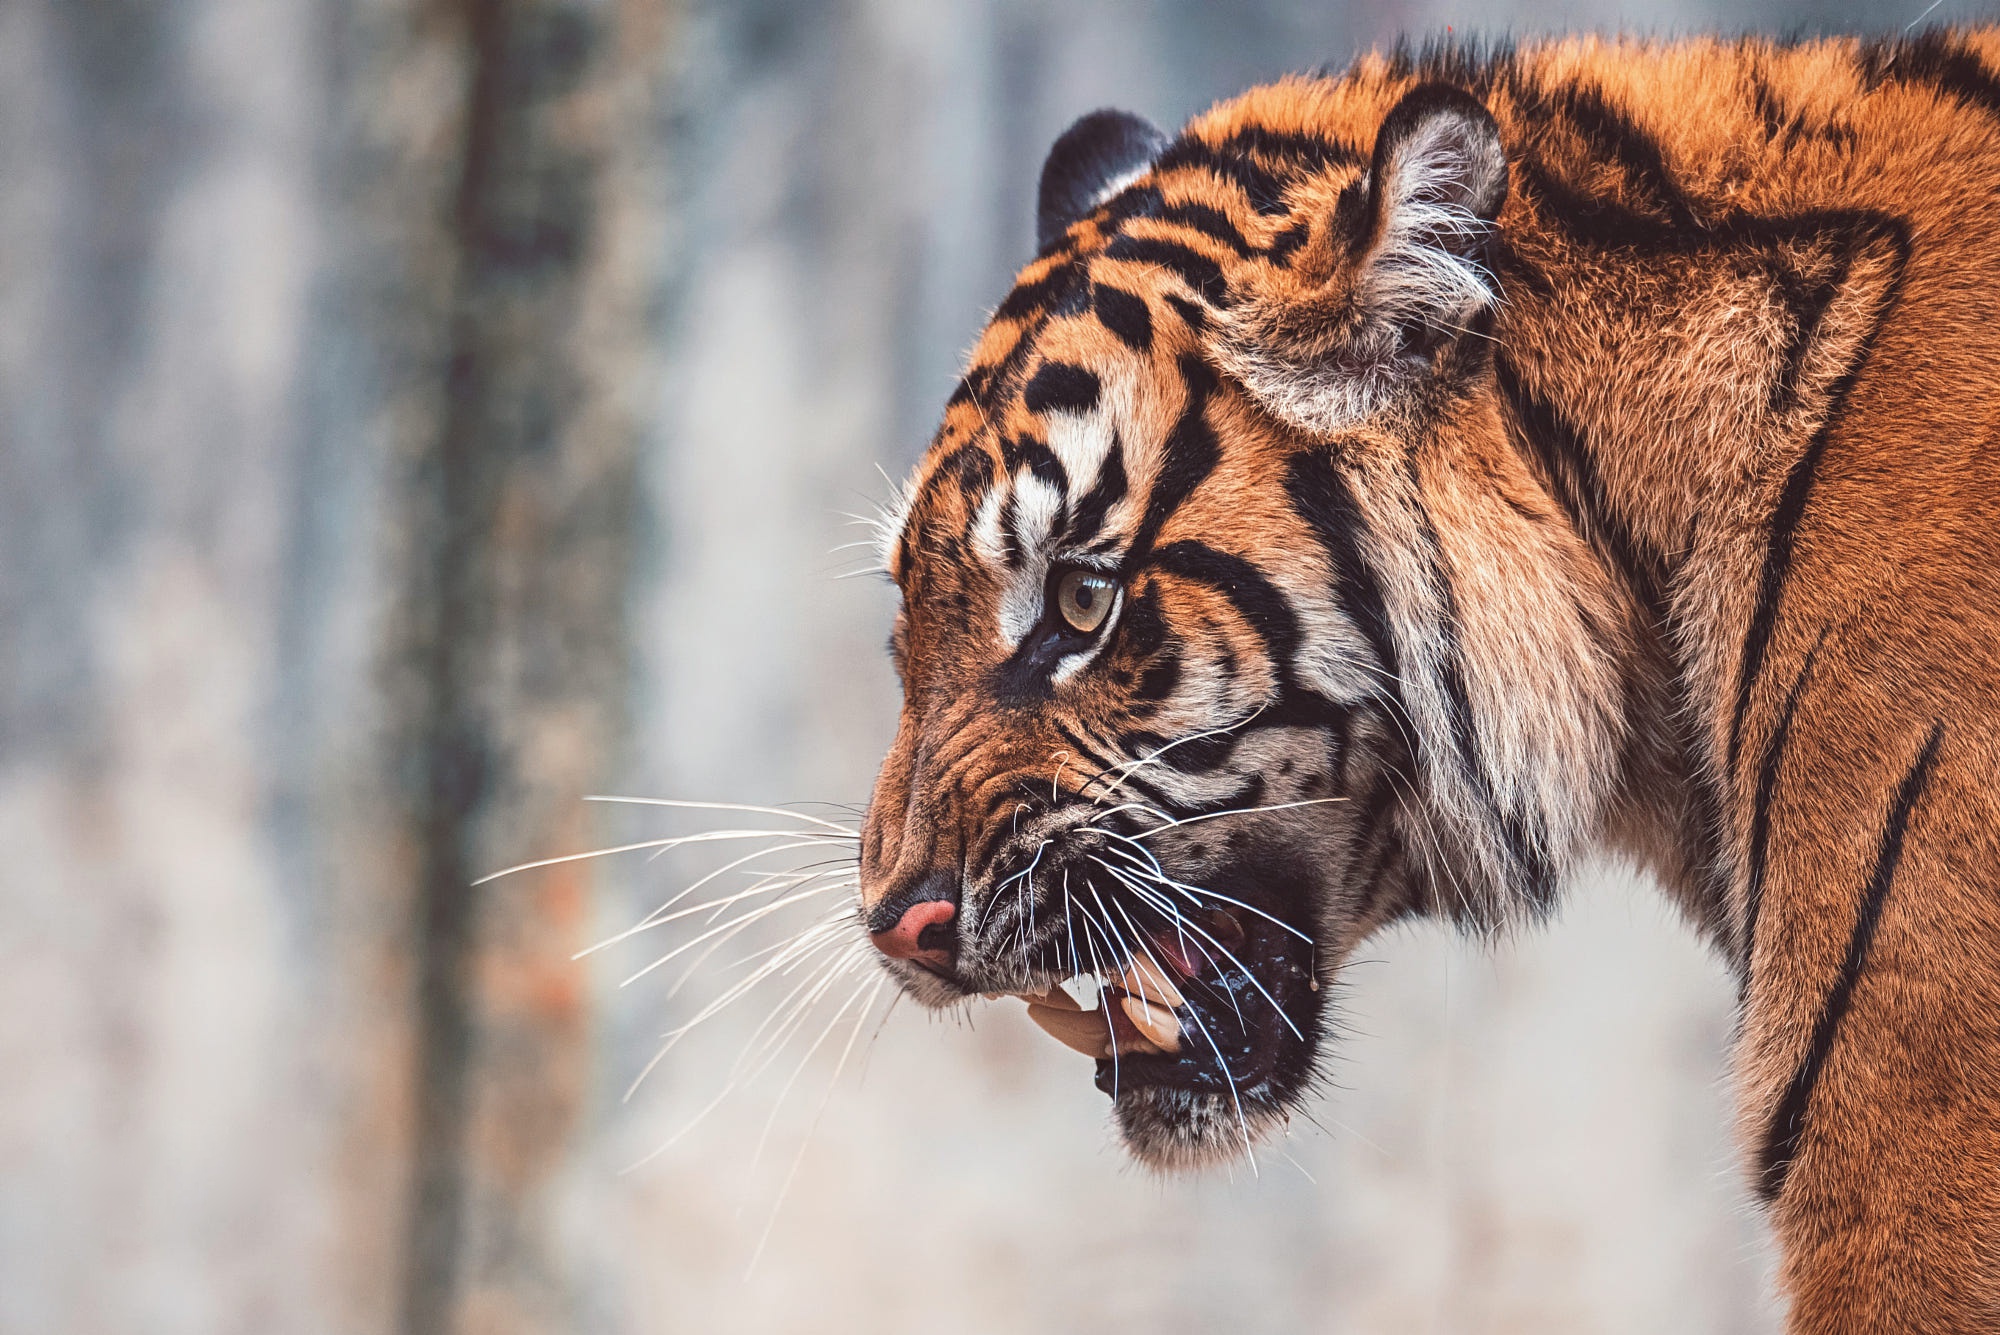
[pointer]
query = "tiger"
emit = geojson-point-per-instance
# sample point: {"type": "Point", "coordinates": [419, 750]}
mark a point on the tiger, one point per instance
{"type": "Point", "coordinates": [1409, 482]}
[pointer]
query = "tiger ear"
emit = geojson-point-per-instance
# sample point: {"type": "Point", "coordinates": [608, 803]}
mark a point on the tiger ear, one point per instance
{"type": "Point", "coordinates": [1095, 158]}
{"type": "Point", "coordinates": [1398, 274]}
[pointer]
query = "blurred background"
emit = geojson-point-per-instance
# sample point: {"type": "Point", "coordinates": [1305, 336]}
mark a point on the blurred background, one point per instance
{"type": "Point", "coordinates": [417, 415]}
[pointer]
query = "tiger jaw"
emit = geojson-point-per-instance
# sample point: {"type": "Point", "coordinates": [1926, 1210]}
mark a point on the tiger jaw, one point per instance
{"type": "Point", "coordinates": [1203, 1038]}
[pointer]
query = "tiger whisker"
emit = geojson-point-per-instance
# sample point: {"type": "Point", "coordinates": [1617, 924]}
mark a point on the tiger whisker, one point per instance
{"type": "Point", "coordinates": [734, 1082]}
{"type": "Point", "coordinates": [1177, 823]}
{"type": "Point", "coordinates": [864, 988]}
{"type": "Point", "coordinates": [1182, 926]}
{"type": "Point", "coordinates": [776, 1031]}
{"type": "Point", "coordinates": [1097, 968]}
{"type": "Point", "coordinates": [797, 951]}
{"type": "Point", "coordinates": [832, 928]}
{"type": "Point", "coordinates": [1163, 906]}
{"type": "Point", "coordinates": [661, 914]}
{"type": "Point", "coordinates": [736, 924]}
{"type": "Point", "coordinates": [1229, 1077]}
{"type": "Point", "coordinates": [791, 1014]}
{"type": "Point", "coordinates": [1195, 892]}
{"type": "Point", "coordinates": [1124, 769]}
{"type": "Point", "coordinates": [683, 804]}
{"type": "Point", "coordinates": [784, 1191]}
{"type": "Point", "coordinates": [705, 837]}
{"type": "Point", "coordinates": [660, 917]}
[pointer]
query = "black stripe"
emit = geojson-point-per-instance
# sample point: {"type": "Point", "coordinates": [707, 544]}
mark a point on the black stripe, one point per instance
{"type": "Point", "coordinates": [1764, 100]}
{"type": "Point", "coordinates": [1537, 876]}
{"type": "Point", "coordinates": [1760, 811]}
{"type": "Point", "coordinates": [1322, 498]}
{"type": "Point", "coordinates": [1191, 454]}
{"type": "Point", "coordinates": [1061, 387]}
{"type": "Point", "coordinates": [1034, 298]}
{"type": "Point", "coordinates": [1570, 467]}
{"type": "Point", "coordinates": [1517, 272]}
{"type": "Point", "coordinates": [1192, 315]}
{"type": "Point", "coordinates": [1100, 764]}
{"type": "Point", "coordinates": [1806, 301]}
{"type": "Point", "coordinates": [1285, 243]}
{"type": "Point", "coordinates": [1938, 59]}
{"type": "Point", "coordinates": [1341, 745]}
{"type": "Point", "coordinates": [1614, 135]}
{"type": "Point", "coordinates": [1212, 223]}
{"type": "Point", "coordinates": [990, 381]}
{"type": "Point", "coordinates": [1196, 754]}
{"type": "Point", "coordinates": [1256, 599]}
{"type": "Point", "coordinates": [1125, 315]}
{"type": "Point", "coordinates": [1160, 679]}
{"type": "Point", "coordinates": [1105, 492]}
{"type": "Point", "coordinates": [1312, 152]}
{"type": "Point", "coordinates": [1797, 491]}
{"type": "Point", "coordinates": [1263, 189]}
{"type": "Point", "coordinates": [1010, 541]}
{"type": "Point", "coordinates": [1777, 567]}
{"type": "Point", "coordinates": [1198, 271]}
{"type": "Point", "coordinates": [1136, 202]}
{"type": "Point", "coordinates": [1374, 812]}
{"type": "Point", "coordinates": [1599, 222]}
{"type": "Point", "coordinates": [971, 469]}
{"type": "Point", "coordinates": [1788, 1124]}
{"type": "Point", "coordinates": [1039, 458]}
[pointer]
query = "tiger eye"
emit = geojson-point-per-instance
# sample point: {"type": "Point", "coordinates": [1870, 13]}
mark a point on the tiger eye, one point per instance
{"type": "Point", "coordinates": [1084, 599]}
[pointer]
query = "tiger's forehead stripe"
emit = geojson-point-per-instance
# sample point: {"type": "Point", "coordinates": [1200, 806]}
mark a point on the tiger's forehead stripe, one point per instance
{"type": "Point", "coordinates": [1175, 220]}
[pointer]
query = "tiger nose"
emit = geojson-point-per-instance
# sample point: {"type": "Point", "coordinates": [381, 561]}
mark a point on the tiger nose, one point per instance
{"type": "Point", "coordinates": [916, 924]}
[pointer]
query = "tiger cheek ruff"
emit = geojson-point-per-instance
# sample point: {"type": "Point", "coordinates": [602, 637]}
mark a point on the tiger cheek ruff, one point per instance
{"type": "Point", "coordinates": [1397, 486]}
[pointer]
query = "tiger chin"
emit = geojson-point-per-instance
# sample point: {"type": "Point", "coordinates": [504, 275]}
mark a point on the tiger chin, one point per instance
{"type": "Point", "coordinates": [1397, 487]}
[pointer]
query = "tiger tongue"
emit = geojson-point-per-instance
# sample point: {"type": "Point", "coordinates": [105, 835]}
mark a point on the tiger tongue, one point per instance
{"type": "Point", "coordinates": [1181, 954]}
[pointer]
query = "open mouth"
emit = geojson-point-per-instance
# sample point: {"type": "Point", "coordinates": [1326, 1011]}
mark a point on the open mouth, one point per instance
{"type": "Point", "coordinates": [1202, 1036]}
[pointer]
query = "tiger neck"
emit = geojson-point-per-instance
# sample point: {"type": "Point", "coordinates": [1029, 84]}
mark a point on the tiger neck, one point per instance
{"type": "Point", "coordinates": [1671, 396]}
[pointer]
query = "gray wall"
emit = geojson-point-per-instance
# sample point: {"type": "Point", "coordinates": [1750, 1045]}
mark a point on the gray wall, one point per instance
{"type": "Point", "coordinates": [415, 416]}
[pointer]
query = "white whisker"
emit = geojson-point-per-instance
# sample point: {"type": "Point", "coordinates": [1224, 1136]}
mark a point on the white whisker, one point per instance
{"type": "Point", "coordinates": [684, 805]}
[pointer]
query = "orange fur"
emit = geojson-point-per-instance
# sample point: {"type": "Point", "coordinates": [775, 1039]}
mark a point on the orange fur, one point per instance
{"type": "Point", "coordinates": [1685, 538]}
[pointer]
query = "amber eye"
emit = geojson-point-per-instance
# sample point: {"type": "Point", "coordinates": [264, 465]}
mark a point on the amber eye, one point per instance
{"type": "Point", "coordinates": [1084, 599]}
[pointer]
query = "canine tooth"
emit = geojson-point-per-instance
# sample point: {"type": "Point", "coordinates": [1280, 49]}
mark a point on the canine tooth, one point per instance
{"type": "Point", "coordinates": [1084, 1031]}
{"type": "Point", "coordinates": [1150, 981]}
{"type": "Point", "coordinates": [1082, 989]}
{"type": "Point", "coordinates": [1156, 1022]}
{"type": "Point", "coordinates": [1055, 999]}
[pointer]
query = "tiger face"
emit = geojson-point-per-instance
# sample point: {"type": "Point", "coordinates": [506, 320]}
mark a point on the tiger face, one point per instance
{"type": "Point", "coordinates": [1178, 715]}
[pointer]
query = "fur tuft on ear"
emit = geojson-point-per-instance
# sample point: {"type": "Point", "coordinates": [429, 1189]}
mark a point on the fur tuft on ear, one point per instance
{"type": "Point", "coordinates": [1408, 278]}
{"type": "Point", "coordinates": [1438, 180]}
{"type": "Point", "coordinates": [1095, 158]}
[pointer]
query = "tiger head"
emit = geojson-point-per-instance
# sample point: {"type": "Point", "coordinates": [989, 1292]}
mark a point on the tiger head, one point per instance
{"type": "Point", "coordinates": [1223, 595]}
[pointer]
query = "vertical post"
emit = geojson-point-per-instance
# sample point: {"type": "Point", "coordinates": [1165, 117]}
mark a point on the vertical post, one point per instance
{"type": "Point", "coordinates": [520, 520]}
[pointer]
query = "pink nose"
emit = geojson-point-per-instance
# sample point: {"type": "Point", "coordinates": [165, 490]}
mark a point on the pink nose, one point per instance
{"type": "Point", "coordinates": [906, 940]}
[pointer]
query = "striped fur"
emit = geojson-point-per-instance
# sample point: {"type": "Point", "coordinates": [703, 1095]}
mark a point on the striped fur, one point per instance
{"type": "Point", "coordinates": [1587, 447]}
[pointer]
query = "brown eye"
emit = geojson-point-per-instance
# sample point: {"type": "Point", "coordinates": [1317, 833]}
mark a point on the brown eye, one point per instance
{"type": "Point", "coordinates": [1084, 599]}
